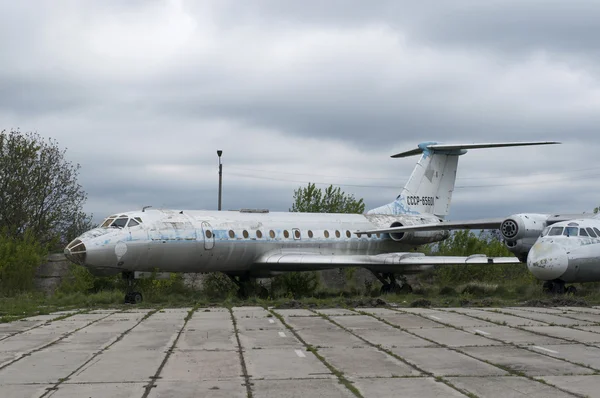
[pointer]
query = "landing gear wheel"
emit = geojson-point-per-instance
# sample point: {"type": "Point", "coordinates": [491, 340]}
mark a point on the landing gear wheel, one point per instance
{"type": "Point", "coordinates": [389, 284]}
{"type": "Point", "coordinates": [133, 298]}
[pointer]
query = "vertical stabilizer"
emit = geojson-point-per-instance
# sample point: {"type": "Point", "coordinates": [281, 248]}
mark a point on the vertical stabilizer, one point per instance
{"type": "Point", "coordinates": [431, 184]}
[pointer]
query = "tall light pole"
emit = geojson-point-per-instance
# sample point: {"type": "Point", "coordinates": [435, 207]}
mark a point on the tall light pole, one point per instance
{"type": "Point", "coordinates": [219, 153]}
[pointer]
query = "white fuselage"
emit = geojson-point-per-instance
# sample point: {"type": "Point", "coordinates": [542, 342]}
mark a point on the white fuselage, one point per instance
{"type": "Point", "coordinates": [231, 241]}
{"type": "Point", "coordinates": [568, 251]}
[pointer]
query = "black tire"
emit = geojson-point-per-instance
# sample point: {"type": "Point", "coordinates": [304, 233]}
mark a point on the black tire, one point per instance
{"type": "Point", "coordinates": [136, 297]}
{"type": "Point", "coordinates": [570, 290]}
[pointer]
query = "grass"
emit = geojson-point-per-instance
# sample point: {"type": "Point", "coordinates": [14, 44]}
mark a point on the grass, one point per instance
{"type": "Point", "coordinates": [474, 294]}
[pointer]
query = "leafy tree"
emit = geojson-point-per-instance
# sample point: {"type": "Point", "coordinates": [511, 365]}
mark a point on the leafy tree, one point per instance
{"type": "Point", "coordinates": [39, 193]}
{"type": "Point", "coordinates": [19, 258]}
{"type": "Point", "coordinates": [332, 200]}
{"type": "Point", "coordinates": [314, 200]}
{"type": "Point", "coordinates": [465, 243]}
{"type": "Point", "coordinates": [596, 209]}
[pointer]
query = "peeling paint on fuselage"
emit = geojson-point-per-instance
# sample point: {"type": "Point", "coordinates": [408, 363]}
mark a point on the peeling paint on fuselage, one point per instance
{"type": "Point", "coordinates": [174, 241]}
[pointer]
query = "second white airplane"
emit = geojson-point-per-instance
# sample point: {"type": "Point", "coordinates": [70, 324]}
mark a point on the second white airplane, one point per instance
{"type": "Point", "coordinates": [257, 243]}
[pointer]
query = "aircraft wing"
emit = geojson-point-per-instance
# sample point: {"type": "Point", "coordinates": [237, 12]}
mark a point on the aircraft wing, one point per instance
{"type": "Point", "coordinates": [389, 262]}
{"type": "Point", "coordinates": [489, 223]}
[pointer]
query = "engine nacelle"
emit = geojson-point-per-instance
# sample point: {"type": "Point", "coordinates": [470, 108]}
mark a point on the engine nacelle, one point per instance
{"type": "Point", "coordinates": [417, 237]}
{"type": "Point", "coordinates": [520, 231]}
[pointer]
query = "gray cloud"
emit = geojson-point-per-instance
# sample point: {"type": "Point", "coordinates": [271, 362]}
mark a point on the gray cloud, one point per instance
{"type": "Point", "coordinates": [143, 93]}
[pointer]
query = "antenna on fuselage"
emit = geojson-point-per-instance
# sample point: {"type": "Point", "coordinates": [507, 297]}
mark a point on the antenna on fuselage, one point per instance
{"type": "Point", "coordinates": [144, 208]}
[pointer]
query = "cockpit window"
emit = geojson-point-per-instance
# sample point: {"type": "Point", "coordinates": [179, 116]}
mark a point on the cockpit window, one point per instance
{"type": "Point", "coordinates": [132, 223]}
{"type": "Point", "coordinates": [545, 231]}
{"type": "Point", "coordinates": [138, 219]}
{"type": "Point", "coordinates": [555, 231]}
{"type": "Point", "coordinates": [591, 232]}
{"type": "Point", "coordinates": [597, 231]}
{"type": "Point", "coordinates": [571, 231]}
{"type": "Point", "coordinates": [120, 222]}
{"type": "Point", "coordinates": [106, 223]}
{"type": "Point", "coordinates": [582, 232]}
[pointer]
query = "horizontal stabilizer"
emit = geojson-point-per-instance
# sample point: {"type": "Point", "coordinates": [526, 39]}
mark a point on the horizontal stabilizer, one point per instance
{"type": "Point", "coordinates": [434, 147]}
{"type": "Point", "coordinates": [488, 223]}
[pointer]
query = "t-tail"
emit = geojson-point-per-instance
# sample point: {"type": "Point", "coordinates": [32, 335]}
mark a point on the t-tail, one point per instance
{"type": "Point", "coordinates": [431, 184]}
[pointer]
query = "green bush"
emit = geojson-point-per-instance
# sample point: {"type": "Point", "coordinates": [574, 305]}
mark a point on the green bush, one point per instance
{"type": "Point", "coordinates": [19, 259]}
{"type": "Point", "coordinates": [217, 285]}
{"type": "Point", "coordinates": [296, 284]}
{"type": "Point", "coordinates": [447, 291]}
{"type": "Point", "coordinates": [78, 280]}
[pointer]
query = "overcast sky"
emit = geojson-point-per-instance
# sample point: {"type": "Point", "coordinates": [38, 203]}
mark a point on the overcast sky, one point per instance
{"type": "Point", "coordinates": [143, 93]}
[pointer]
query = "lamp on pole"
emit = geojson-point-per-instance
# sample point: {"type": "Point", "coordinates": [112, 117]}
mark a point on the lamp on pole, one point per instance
{"type": "Point", "coordinates": [219, 153]}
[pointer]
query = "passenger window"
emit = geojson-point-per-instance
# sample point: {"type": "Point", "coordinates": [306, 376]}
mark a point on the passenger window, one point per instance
{"type": "Point", "coordinates": [120, 223]}
{"type": "Point", "coordinates": [368, 235]}
{"type": "Point", "coordinates": [572, 231]}
{"type": "Point", "coordinates": [326, 234]}
{"type": "Point", "coordinates": [132, 223]}
{"type": "Point", "coordinates": [582, 232]}
{"type": "Point", "coordinates": [555, 231]}
{"type": "Point", "coordinates": [348, 234]}
{"type": "Point", "coordinates": [245, 233]}
{"type": "Point", "coordinates": [297, 234]}
{"type": "Point", "coordinates": [258, 234]}
{"type": "Point", "coordinates": [272, 234]}
{"type": "Point", "coordinates": [231, 234]}
{"type": "Point", "coordinates": [310, 233]}
{"type": "Point", "coordinates": [591, 232]}
{"type": "Point", "coordinates": [286, 234]}
{"type": "Point", "coordinates": [208, 234]}
{"type": "Point", "coordinates": [378, 235]}
{"type": "Point", "coordinates": [337, 234]}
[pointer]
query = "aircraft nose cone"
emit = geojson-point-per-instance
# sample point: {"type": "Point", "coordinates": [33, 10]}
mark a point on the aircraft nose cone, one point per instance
{"type": "Point", "coordinates": [76, 252]}
{"type": "Point", "coordinates": [547, 261]}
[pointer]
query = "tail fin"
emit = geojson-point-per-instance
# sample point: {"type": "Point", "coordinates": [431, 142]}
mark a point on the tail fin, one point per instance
{"type": "Point", "coordinates": [430, 186]}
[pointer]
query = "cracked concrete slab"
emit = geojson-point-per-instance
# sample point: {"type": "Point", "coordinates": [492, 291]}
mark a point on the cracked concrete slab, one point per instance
{"type": "Point", "coordinates": [119, 355]}
{"type": "Point", "coordinates": [418, 387]}
{"type": "Point", "coordinates": [525, 361]}
{"type": "Point", "coordinates": [441, 361]}
{"type": "Point", "coordinates": [275, 363]}
{"type": "Point", "coordinates": [234, 388]}
{"type": "Point", "coordinates": [566, 333]}
{"type": "Point", "coordinates": [367, 362]}
{"type": "Point", "coordinates": [100, 390]}
{"type": "Point", "coordinates": [325, 388]}
{"type": "Point", "coordinates": [506, 387]}
{"type": "Point", "coordinates": [454, 338]}
{"type": "Point", "coordinates": [583, 385]}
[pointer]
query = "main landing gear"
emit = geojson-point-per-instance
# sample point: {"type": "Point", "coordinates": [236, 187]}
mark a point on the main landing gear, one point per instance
{"type": "Point", "coordinates": [558, 287]}
{"type": "Point", "coordinates": [392, 285]}
{"type": "Point", "coordinates": [248, 287]}
{"type": "Point", "coordinates": [131, 297]}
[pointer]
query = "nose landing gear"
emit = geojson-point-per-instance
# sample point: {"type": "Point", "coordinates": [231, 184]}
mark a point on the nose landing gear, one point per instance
{"type": "Point", "coordinates": [131, 297]}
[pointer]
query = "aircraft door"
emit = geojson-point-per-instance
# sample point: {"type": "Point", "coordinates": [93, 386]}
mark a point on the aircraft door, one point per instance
{"type": "Point", "coordinates": [209, 236]}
